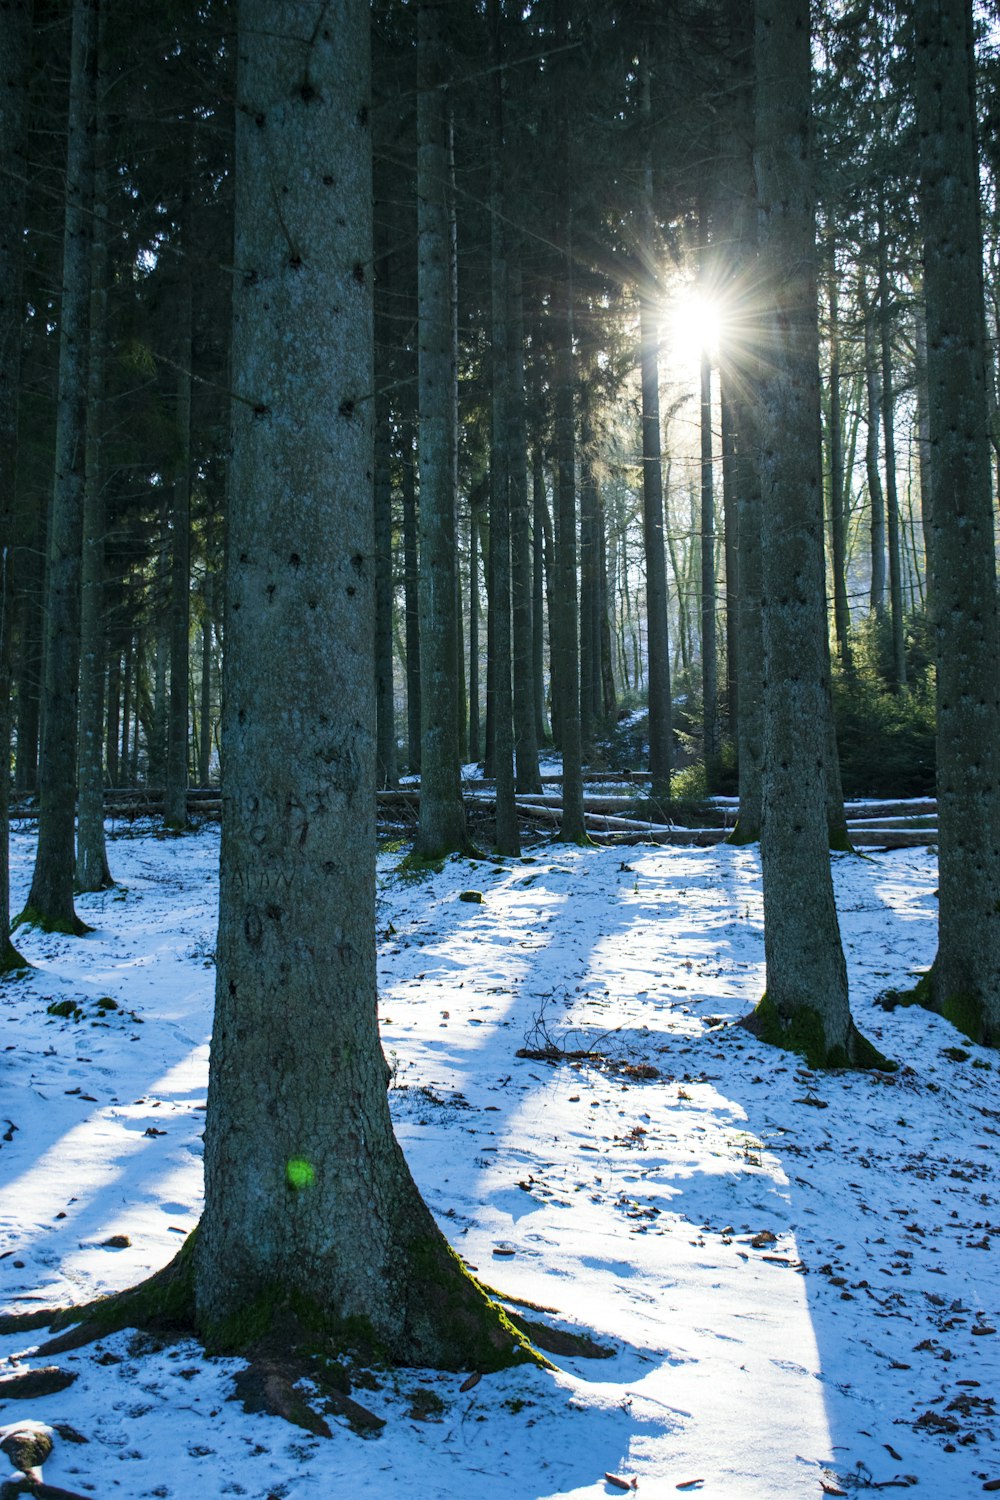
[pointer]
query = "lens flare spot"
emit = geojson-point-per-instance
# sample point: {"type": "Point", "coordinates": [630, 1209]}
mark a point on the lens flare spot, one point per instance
{"type": "Point", "coordinates": [300, 1173]}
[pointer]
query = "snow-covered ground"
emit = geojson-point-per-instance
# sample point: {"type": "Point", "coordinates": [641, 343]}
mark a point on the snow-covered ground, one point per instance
{"type": "Point", "coordinates": [796, 1274]}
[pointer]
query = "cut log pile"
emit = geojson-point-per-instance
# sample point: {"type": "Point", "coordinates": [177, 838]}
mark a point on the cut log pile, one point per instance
{"type": "Point", "coordinates": [610, 817]}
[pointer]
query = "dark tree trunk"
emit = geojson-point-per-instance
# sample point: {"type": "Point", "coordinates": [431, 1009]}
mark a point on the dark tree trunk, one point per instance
{"type": "Point", "coordinates": [442, 812]}
{"type": "Point", "coordinates": [411, 598]}
{"type": "Point", "coordinates": [385, 695]}
{"type": "Point", "coordinates": [178, 709]}
{"type": "Point", "coordinates": [964, 984]}
{"type": "Point", "coordinates": [92, 870]}
{"type": "Point", "coordinates": [540, 516]}
{"type": "Point", "coordinates": [13, 136]}
{"type": "Point", "coordinates": [876, 497]}
{"type": "Point", "coordinates": [50, 900]}
{"type": "Point", "coordinates": [475, 732]}
{"type": "Point", "coordinates": [507, 841]}
{"type": "Point", "coordinates": [525, 733]}
{"type": "Point", "coordinates": [658, 643]}
{"type": "Point", "coordinates": [889, 438]}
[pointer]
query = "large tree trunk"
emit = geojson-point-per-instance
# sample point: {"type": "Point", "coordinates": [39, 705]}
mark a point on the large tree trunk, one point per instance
{"type": "Point", "coordinates": [442, 812]}
{"type": "Point", "coordinates": [311, 1216]}
{"type": "Point", "coordinates": [806, 1005]}
{"type": "Point", "coordinates": [50, 900]}
{"type": "Point", "coordinates": [13, 134]}
{"type": "Point", "coordinates": [964, 984]}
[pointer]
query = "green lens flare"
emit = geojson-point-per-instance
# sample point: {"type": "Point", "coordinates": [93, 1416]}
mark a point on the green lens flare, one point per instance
{"type": "Point", "coordinates": [300, 1173]}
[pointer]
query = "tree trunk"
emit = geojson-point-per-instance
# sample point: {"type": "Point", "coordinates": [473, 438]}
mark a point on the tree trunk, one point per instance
{"type": "Point", "coordinates": [411, 597]}
{"type": "Point", "coordinates": [567, 675]}
{"type": "Point", "coordinates": [964, 984]}
{"type": "Point", "coordinates": [540, 515]}
{"type": "Point", "coordinates": [658, 640]}
{"type": "Point", "coordinates": [385, 704]}
{"type": "Point", "coordinates": [178, 712]}
{"type": "Point", "coordinates": [876, 497]}
{"type": "Point", "coordinates": [806, 1005]}
{"type": "Point", "coordinates": [709, 647]}
{"type": "Point", "coordinates": [50, 900]}
{"type": "Point", "coordinates": [92, 870]}
{"type": "Point", "coordinates": [475, 733]}
{"type": "Point", "coordinates": [727, 424]}
{"type": "Point", "coordinates": [522, 647]}
{"type": "Point", "coordinates": [13, 136]}
{"type": "Point", "coordinates": [838, 537]}
{"type": "Point", "coordinates": [312, 1222]}
{"type": "Point", "coordinates": [507, 841]}
{"type": "Point", "coordinates": [889, 437]}
{"type": "Point", "coordinates": [442, 812]}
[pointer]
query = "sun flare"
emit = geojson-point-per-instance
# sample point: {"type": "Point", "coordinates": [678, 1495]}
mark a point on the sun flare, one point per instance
{"type": "Point", "coordinates": [694, 323]}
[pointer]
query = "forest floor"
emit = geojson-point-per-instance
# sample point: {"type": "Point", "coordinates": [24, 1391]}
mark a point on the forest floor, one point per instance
{"type": "Point", "coordinates": [796, 1275]}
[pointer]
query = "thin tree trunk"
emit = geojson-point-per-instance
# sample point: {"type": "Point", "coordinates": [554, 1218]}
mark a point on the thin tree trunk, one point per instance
{"type": "Point", "coordinates": [475, 733]}
{"type": "Point", "coordinates": [442, 812]}
{"type": "Point", "coordinates": [411, 597]}
{"type": "Point", "coordinates": [540, 515]}
{"type": "Point", "coordinates": [50, 900]}
{"type": "Point", "coordinates": [13, 137]}
{"type": "Point", "coordinates": [876, 498]}
{"type": "Point", "coordinates": [838, 549]}
{"type": "Point", "coordinates": [178, 712]}
{"type": "Point", "coordinates": [730, 522]}
{"type": "Point", "coordinates": [889, 438]}
{"type": "Point", "coordinates": [709, 647]}
{"type": "Point", "coordinates": [658, 637]}
{"type": "Point", "coordinates": [525, 734]}
{"type": "Point", "coordinates": [507, 841]}
{"type": "Point", "coordinates": [92, 870]}
{"type": "Point", "coordinates": [385, 695]}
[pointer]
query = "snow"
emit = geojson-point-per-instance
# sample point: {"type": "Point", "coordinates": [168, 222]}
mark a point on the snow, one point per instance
{"type": "Point", "coordinates": [792, 1271]}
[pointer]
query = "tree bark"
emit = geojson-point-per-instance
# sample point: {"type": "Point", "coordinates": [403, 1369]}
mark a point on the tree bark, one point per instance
{"type": "Point", "coordinates": [806, 1005]}
{"type": "Point", "coordinates": [964, 984]}
{"type": "Point", "coordinates": [385, 695]}
{"type": "Point", "coordinates": [13, 137]}
{"type": "Point", "coordinates": [92, 870]}
{"type": "Point", "coordinates": [442, 812]}
{"type": "Point", "coordinates": [411, 597]}
{"type": "Point", "coordinates": [506, 836]}
{"type": "Point", "coordinates": [50, 900]}
{"type": "Point", "coordinates": [876, 496]}
{"type": "Point", "coordinates": [889, 440]}
{"type": "Point", "coordinates": [838, 536]}
{"type": "Point", "coordinates": [312, 1223]}
{"type": "Point", "coordinates": [178, 708]}
{"type": "Point", "coordinates": [522, 646]}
